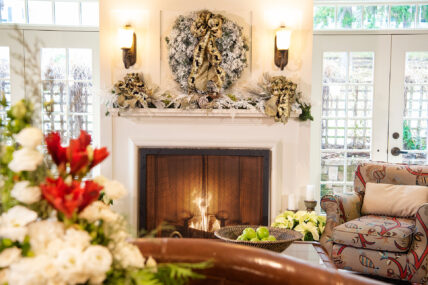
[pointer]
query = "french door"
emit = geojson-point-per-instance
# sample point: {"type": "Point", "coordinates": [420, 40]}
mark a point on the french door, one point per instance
{"type": "Point", "coordinates": [65, 65]}
{"type": "Point", "coordinates": [370, 97]}
{"type": "Point", "coordinates": [408, 114]}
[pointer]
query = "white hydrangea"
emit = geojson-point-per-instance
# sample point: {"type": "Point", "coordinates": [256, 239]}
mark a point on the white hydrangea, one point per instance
{"type": "Point", "coordinates": [25, 159]}
{"type": "Point", "coordinates": [9, 256]}
{"type": "Point", "coordinates": [46, 237]}
{"type": "Point", "coordinates": [30, 137]}
{"type": "Point", "coordinates": [77, 238]}
{"type": "Point", "coordinates": [70, 264]}
{"type": "Point", "coordinates": [13, 223]}
{"type": "Point", "coordinates": [99, 211]}
{"type": "Point", "coordinates": [39, 270]}
{"type": "Point", "coordinates": [97, 261]}
{"type": "Point", "coordinates": [127, 255]}
{"type": "Point", "coordinates": [113, 189]}
{"type": "Point", "coordinates": [24, 193]}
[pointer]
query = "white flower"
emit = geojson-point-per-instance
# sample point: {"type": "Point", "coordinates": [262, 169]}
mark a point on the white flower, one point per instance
{"type": "Point", "coordinates": [4, 276]}
{"type": "Point", "coordinates": [25, 159]}
{"type": "Point", "coordinates": [98, 211]}
{"type": "Point", "coordinates": [128, 255]}
{"type": "Point", "coordinates": [114, 189]}
{"type": "Point", "coordinates": [70, 265]}
{"type": "Point", "coordinates": [13, 223]}
{"type": "Point", "coordinates": [46, 237]}
{"type": "Point", "coordinates": [97, 261]}
{"type": "Point", "coordinates": [30, 137]}
{"type": "Point", "coordinates": [23, 192]}
{"type": "Point", "coordinates": [77, 238]}
{"type": "Point", "coordinates": [9, 256]}
{"type": "Point", "coordinates": [39, 270]}
{"type": "Point", "coordinates": [151, 263]}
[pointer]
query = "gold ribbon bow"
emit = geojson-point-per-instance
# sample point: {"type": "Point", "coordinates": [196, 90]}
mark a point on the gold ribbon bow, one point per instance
{"type": "Point", "coordinates": [206, 57]}
{"type": "Point", "coordinates": [283, 96]}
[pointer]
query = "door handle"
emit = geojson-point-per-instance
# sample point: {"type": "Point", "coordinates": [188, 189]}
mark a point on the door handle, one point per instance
{"type": "Point", "coordinates": [396, 151]}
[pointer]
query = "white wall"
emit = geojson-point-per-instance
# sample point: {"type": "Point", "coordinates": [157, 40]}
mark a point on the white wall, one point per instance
{"type": "Point", "coordinates": [262, 18]}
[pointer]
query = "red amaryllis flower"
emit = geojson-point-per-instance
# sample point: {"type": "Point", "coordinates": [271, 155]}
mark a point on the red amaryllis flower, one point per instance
{"type": "Point", "coordinates": [99, 155]}
{"type": "Point", "coordinates": [69, 198]}
{"type": "Point", "coordinates": [77, 153]}
{"type": "Point", "coordinates": [57, 152]}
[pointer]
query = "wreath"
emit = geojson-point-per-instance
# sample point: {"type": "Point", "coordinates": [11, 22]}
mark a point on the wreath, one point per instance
{"type": "Point", "coordinates": [207, 52]}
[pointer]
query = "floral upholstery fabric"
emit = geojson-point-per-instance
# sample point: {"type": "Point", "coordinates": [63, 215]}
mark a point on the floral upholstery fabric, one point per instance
{"type": "Point", "coordinates": [387, 173]}
{"type": "Point", "coordinates": [409, 265]}
{"type": "Point", "coordinates": [339, 209]}
{"type": "Point", "coordinates": [376, 232]}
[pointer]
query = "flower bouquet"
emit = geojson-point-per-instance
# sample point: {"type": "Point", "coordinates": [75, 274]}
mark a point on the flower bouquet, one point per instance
{"type": "Point", "coordinates": [309, 224]}
{"type": "Point", "coordinates": [56, 226]}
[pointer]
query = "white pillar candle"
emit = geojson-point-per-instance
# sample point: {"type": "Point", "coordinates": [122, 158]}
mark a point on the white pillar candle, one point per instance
{"type": "Point", "coordinates": [292, 202]}
{"type": "Point", "coordinates": [310, 193]}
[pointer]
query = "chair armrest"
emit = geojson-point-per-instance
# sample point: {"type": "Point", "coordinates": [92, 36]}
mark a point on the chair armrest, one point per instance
{"type": "Point", "coordinates": [419, 248]}
{"type": "Point", "coordinates": [339, 209]}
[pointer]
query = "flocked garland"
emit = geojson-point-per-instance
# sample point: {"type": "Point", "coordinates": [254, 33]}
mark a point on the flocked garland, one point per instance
{"type": "Point", "coordinates": [207, 54]}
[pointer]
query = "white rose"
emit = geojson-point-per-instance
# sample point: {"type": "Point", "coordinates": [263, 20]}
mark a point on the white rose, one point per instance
{"type": "Point", "coordinates": [25, 159]}
{"type": "Point", "coordinates": [77, 238]}
{"type": "Point", "coordinates": [97, 261]}
{"type": "Point", "coordinates": [39, 270]}
{"type": "Point", "coordinates": [9, 256]}
{"type": "Point", "coordinates": [23, 192]}
{"type": "Point", "coordinates": [4, 276]}
{"type": "Point", "coordinates": [13, 223]}
{"type": "Point", "coordinates": [70, 266]}
{"type": "Point", "coordinates": [98, 211]}
{"type": "Point", "coordinates": [128, 255]}
{"type": "Point", "coordinates": [30, 137]}
{"type": "Point", "coordinates": [114, 189]}
{"type": "Point", "coordinates": [46, 237]}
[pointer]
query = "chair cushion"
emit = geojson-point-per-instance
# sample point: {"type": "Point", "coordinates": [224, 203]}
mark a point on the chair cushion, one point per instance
{"type": "Point", "coordinates": [376, 232]}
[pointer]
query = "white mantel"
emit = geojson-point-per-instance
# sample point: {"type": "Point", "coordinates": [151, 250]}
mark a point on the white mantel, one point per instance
{"type": "Point", "coordinates": [213, 129]}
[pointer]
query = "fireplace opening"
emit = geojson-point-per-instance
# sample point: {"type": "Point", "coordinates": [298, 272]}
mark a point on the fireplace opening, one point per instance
{"type": "Point", "coordinates": [200, 190]}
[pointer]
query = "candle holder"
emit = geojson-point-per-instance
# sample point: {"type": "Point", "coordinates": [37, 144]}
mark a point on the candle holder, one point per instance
{"type": "Point", "coordinates": [294, 211]}
{"type": "Point", "coordinates": [310, 205]}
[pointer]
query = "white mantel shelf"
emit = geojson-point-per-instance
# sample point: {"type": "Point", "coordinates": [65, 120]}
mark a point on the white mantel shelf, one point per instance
{"type": "Point", "coordinates": [199, 113]}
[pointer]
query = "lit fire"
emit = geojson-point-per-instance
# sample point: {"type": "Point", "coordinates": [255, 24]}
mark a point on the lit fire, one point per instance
{"type": "Point", "coordinates": [204, 221]}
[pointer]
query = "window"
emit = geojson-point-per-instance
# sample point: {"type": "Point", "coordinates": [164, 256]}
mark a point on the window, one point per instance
{"type": "Point", "coordinates": [4, 77]}
{"type": "Point", "coordinates": [370, 16]}
{"type": "Point", "coordinates": [67, 82]}
{"type": "Point", "coordinates": [50, 12]}
{"type": "Point", "coordinates": [415, 118]}
{"type": "Point", "coordinates": [346, 120]}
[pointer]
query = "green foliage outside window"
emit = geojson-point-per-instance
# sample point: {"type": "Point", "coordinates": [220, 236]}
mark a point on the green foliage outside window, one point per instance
{"type": "Point", "coordinates": [323, 16]}
{"type": "Point", "coordinates": [403, 16]}
{"type": "Point", "coordinates": [410, 142]}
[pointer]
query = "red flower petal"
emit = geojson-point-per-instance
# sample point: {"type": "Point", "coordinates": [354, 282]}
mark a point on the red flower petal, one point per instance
{"type": "Point", "coordinates": [91, 193]}
{"type": "Point", "coordinates": [57, 152]}
{"type": "Point", "coordinates": [99, 155]}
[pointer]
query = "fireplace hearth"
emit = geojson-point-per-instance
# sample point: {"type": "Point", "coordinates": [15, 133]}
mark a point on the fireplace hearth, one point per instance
{"type": "Point", "coordinates": [200, 190]}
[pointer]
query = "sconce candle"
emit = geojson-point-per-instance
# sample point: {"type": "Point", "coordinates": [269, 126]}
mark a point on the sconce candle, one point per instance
{"type": "Point", "coordinates": [282, 44]}
{"type": "Point", "coordinates": [128, 44]}
{"type": "Point", "coordinates": [310, 193]}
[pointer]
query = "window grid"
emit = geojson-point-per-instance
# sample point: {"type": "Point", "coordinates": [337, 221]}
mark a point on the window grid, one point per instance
{"type": "Point", "coordinates": [68, 119]}
{"type": "Point", "coordinates": [346, 101]}
{"type": "Point", "coordinates": [26, 11]}
{"type": "Point", "coordinates": [419, 19]}
{"type": "Point", "coordinates": [415, 117]}
{"type": "Point", "coordinates": [4, 78]}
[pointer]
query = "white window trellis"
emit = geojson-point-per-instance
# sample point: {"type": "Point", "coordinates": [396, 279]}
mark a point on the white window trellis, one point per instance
{"type": "Point", "coordinates": [370, 15]}
{"type": "Point", "coordinates": [50, 12]}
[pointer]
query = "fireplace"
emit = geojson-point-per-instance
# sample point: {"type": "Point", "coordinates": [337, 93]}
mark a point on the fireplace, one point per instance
{"type": "Point", "coordinates": [199, 190]}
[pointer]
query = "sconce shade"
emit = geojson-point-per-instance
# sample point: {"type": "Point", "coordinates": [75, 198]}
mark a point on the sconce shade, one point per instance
{"type": "Point", "coordinates": [282, 44]}
{"type": "Point", "coordinates": [128, 44]}
{"type": "Point", "coordinates": [283, 37]}
{"type": "Point", "coordinates": [126, 37]}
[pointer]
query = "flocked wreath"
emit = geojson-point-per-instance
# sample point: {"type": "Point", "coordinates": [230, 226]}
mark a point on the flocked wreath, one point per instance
{"type": "Point", "coordinates": [207, 52]}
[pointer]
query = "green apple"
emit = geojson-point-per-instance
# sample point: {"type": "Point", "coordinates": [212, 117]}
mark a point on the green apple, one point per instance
{"type": "Point", "coordinates": [262, 232]}
{"type": "Point", "coordinates": [255, 239]}
{"type": "Point", "coordinates": [249, 233]}
{"type": "Point", "coordinates": [241, 237]}
{"type": "Point", "coordinates": [271, 238]}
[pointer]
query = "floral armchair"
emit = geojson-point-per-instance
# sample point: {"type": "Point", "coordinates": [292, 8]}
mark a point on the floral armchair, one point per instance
{"type": "Point", "coordinates": [393, 247]}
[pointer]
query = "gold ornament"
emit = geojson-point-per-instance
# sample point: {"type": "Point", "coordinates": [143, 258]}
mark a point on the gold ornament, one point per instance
{"type": "Point", "coordinates": [283, 96]}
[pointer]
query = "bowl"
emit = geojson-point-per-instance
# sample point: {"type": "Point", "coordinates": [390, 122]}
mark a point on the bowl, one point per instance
{"type": "Point", "coordinates": [284, 237]}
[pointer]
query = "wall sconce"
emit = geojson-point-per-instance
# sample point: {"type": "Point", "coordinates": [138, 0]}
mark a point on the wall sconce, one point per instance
{"type": "Point", "coordinates": [282, 44]}
{"type": "Point", "coordinates": [128, 44]}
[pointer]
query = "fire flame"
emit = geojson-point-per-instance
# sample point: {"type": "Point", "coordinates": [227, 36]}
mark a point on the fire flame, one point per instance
{"type": "Point", "coordinates": [203, 221]}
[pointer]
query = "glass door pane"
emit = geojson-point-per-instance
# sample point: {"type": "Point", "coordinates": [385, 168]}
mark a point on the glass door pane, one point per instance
{"type": "Point", "coordinates": [409, 100]}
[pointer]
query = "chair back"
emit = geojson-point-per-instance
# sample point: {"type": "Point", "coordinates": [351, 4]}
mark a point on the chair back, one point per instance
{"type": "Point", "coordinates": [389, 173]}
